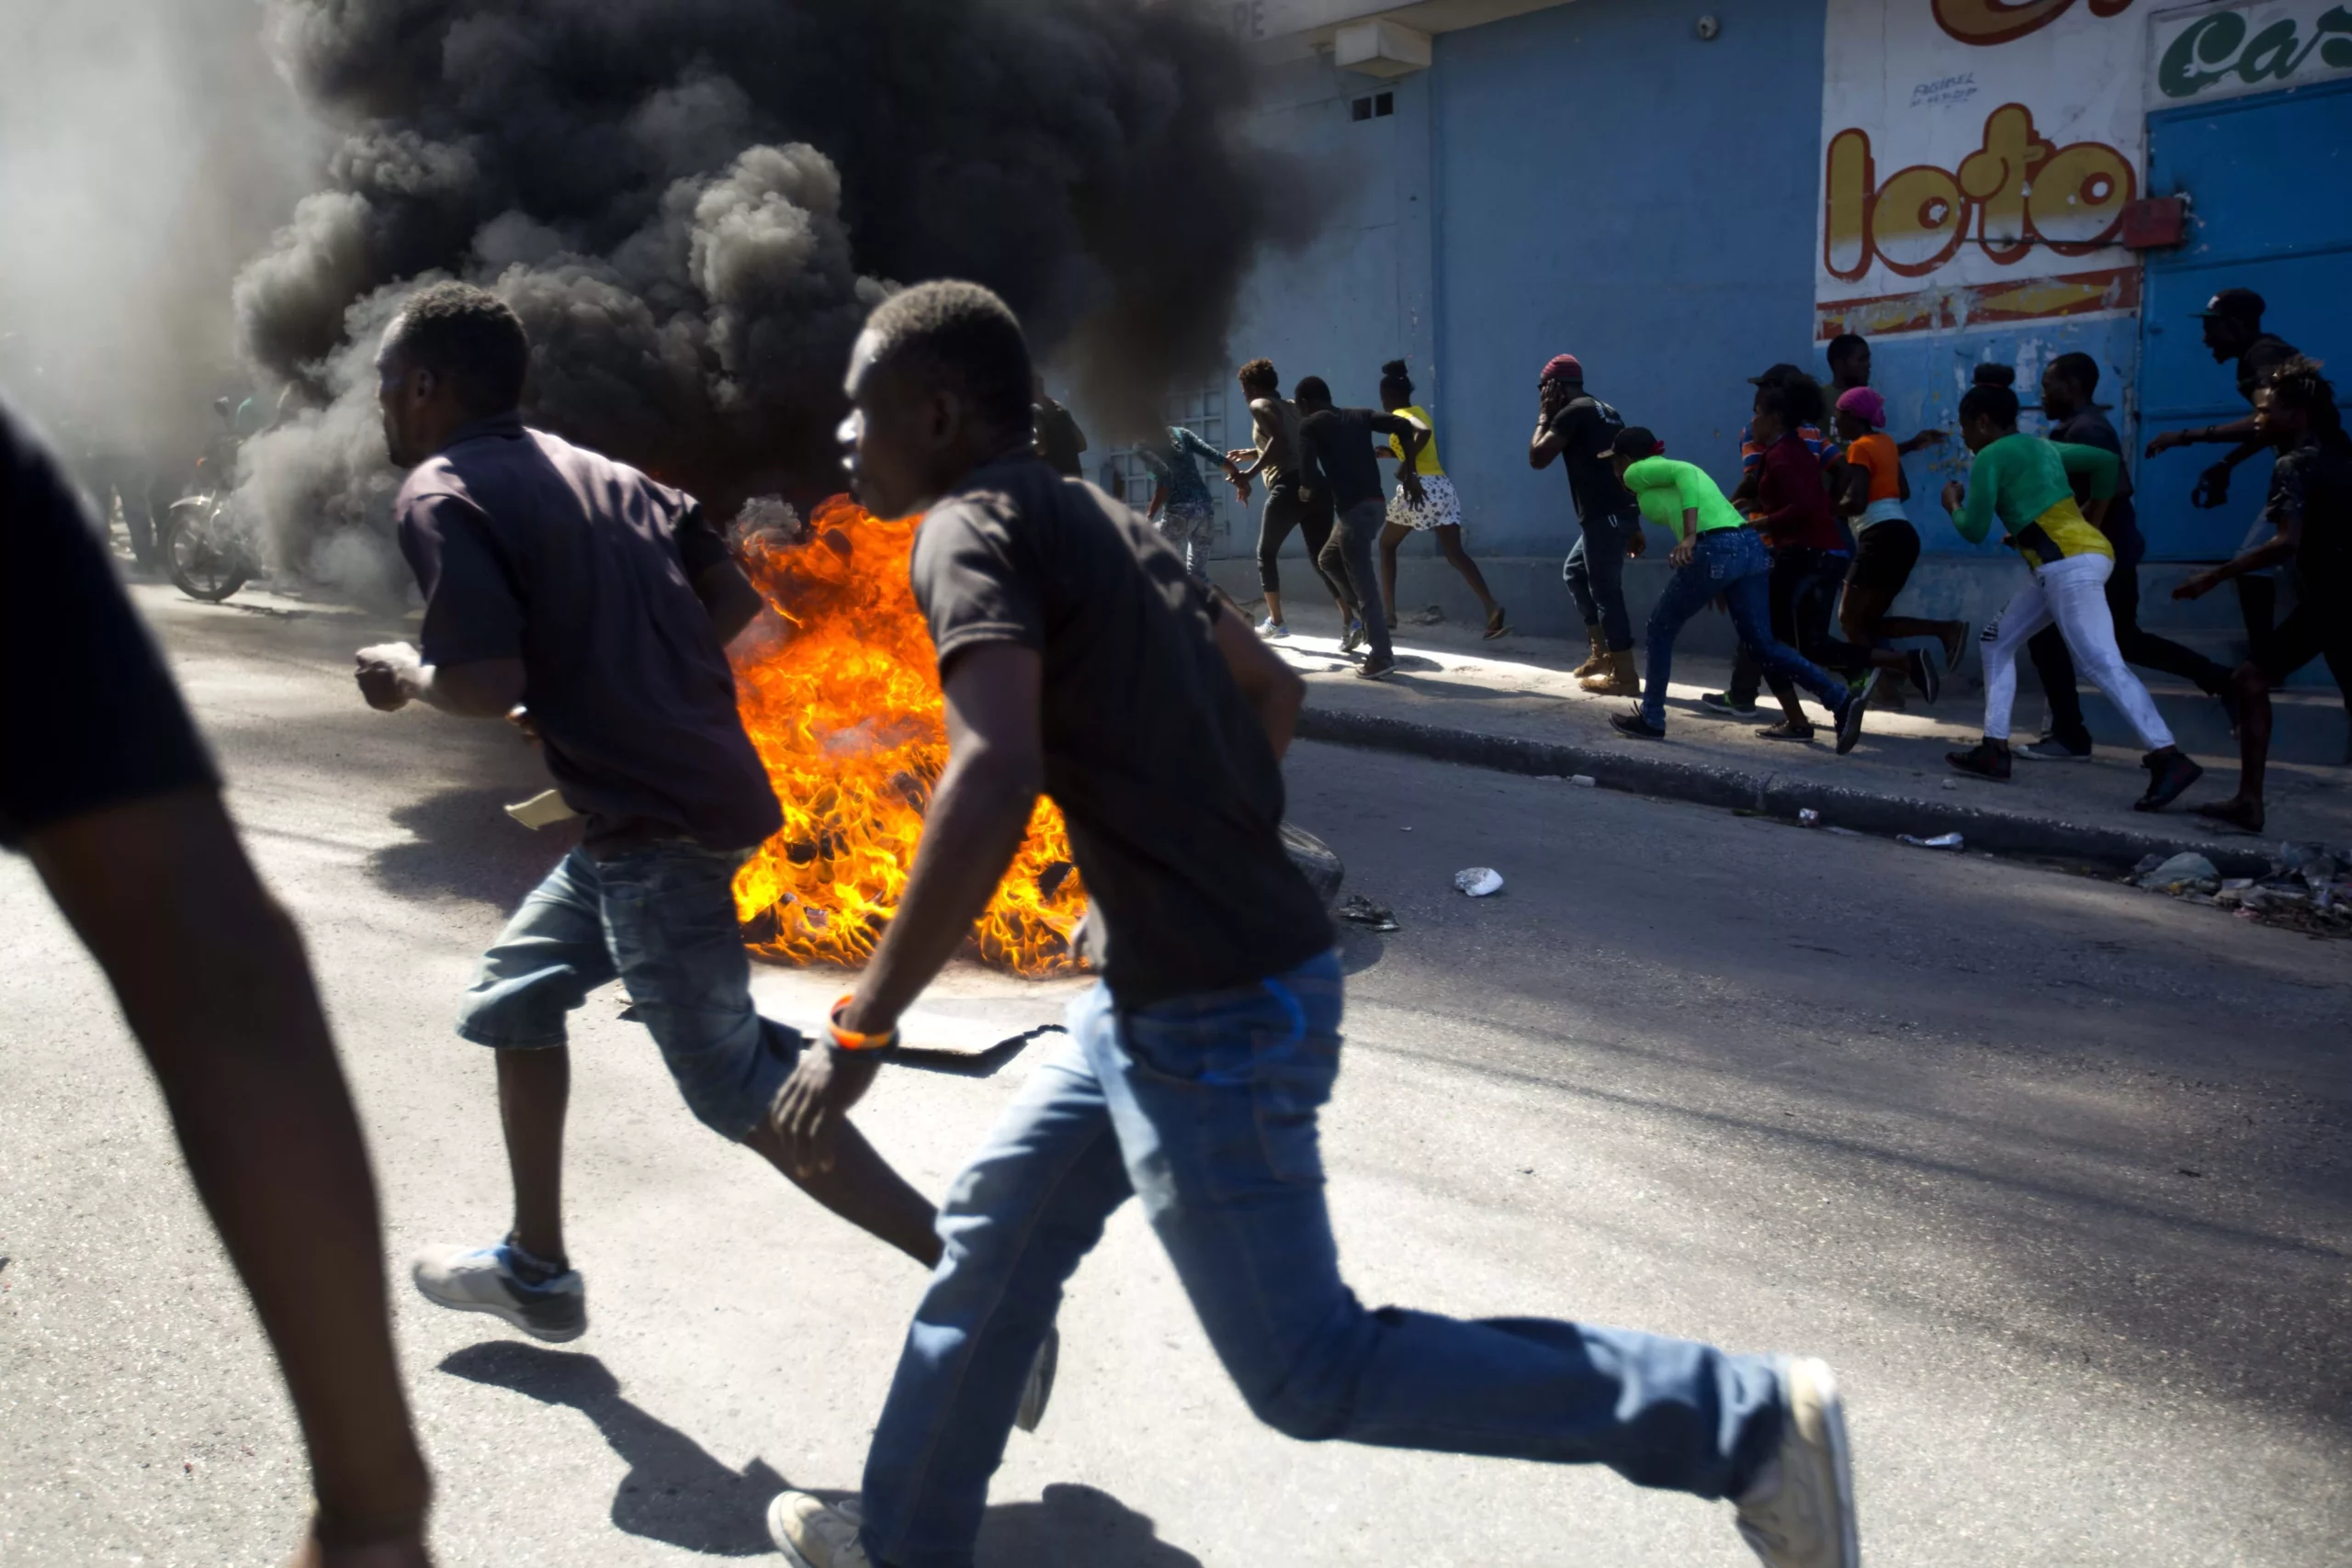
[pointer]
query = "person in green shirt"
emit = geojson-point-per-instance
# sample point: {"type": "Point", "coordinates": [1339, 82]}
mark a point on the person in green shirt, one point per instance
{"type": "Point", "coordinates": [1721, 557]}
{"type": "Point", "coordinates": [2027, 484]}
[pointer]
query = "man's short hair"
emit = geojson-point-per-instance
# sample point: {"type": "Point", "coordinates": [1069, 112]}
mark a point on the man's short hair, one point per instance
{"type": "Point", "coordinates": [470, 338]}
{"type": "Point", "coordinates": [2078, 369]}
{"type": "Point", "coordinates": [1998, 405]}
{"type": "Point", "coordinates": [1843, 344]}
{"type": "Point", "coordinates": [961, 335]}
{"type": "Point", "coordinates": [1260, 373]}
{"type": "Point", "coordinates": [1311, 389]}
{"type": "Point", "coordinates": [1796, 398]}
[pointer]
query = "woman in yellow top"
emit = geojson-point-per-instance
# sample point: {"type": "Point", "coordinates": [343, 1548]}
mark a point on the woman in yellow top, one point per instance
{"type": "Point", "coordinates": [1437, 509]}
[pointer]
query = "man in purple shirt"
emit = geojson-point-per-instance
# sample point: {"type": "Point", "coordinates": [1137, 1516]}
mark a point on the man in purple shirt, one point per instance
{"type": "Point", "coordinates": [593, 607]}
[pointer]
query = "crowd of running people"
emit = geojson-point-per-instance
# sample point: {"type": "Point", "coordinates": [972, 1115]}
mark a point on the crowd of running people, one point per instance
{"type": "Point", "coordinates": [1810, 551]}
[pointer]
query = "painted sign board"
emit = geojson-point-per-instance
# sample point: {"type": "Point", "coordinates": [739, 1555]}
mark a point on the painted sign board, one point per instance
{"type": "Point", "coordinates": [1977, 158]}
{"type": "Point", "coordinates": [2221, 51]}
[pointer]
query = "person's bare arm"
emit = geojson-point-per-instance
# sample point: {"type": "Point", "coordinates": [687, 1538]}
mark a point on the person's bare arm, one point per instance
{"type": "Point", "coordinates": [2277, 550]}
{"type": "Point", "coordinates": [393, 675]}
{"type": "Point", "coordinates": [729, 597]}
{"type": "Point", "coordinates": [976, 819]}
{"type": "Point", "coordinates": [211, 978]}
{"type": "Point", "coordinates": [1414, 435]}
{"type": "Point", "coordinates": [1267, 425]}
{"type": "Point", "coordinates": [1273, 688]}
{"type": "Point", "coordinates": [1920, 442]}
{"type": "Point", "coordinates": [2240, 432]}
{"type": "Point", "coordinates": [1856, 497]}
{"type": "Point", "coordinates": [1546, 442]}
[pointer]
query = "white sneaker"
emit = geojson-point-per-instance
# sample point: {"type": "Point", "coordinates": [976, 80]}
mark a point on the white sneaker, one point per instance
{"type": "Point", "coordinates": [1800, 1513]}
{"type": "Point", "coordinates": [1272, 630]}
{"type": "Point", "coordinates": [813, 1534]}
{"type": "Point", "coordinates": [483, 1279]}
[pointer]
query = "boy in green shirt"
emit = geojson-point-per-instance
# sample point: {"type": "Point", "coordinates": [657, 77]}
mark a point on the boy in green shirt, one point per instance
{"type": "Point", "coordinates": [2027, 483]}
{"type": "Point", "coordinates": [1720, 555]}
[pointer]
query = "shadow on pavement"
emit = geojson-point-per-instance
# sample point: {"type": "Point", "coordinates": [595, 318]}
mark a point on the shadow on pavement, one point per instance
{"type": "Point", "coordinates": [677, 1493]}
{"type": "Point", "coordinates": [466, 846]}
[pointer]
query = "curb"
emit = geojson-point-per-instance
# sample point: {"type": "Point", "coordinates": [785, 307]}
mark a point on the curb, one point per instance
{"type": "Point", "coordinates": [1773, 794]}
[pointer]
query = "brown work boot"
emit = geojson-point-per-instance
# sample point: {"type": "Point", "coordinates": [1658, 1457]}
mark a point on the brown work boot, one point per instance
{"type": "Point", "coordinates": [1616, 678]}
{"type": "Point", "coordinates": [1600, 659]}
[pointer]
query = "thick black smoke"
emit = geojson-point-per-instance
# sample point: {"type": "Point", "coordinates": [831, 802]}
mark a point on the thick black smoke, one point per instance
{"type": "Point", "coordinates": [692, 203]}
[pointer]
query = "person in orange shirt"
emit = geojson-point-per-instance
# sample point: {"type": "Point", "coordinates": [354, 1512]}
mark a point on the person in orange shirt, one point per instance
{"type": "Point", "coordinates": [1886, 549]}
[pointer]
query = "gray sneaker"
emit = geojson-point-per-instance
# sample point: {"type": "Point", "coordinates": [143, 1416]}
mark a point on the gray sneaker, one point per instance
{"type": "Point", "coordinates": [1800, 1512]}
{"type": "Point", "coordinates": [483, 1279]}
{"type": "Point", "coordinates": [813, 1534]}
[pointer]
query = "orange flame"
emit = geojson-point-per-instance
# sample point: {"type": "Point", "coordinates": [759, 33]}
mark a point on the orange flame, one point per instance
{"type": "Point", "coordinates": [846, 713]}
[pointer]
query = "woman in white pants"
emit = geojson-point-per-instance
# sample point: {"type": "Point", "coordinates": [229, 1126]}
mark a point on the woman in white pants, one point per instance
{"type": "Point", "coordinates": [2027, 483]}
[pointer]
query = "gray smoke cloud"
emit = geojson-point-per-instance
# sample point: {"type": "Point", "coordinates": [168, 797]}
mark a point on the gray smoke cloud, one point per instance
{"type": "Point", "coordinates": [147, 149]}
{"type": "Point", "coordinates": [693, 203]}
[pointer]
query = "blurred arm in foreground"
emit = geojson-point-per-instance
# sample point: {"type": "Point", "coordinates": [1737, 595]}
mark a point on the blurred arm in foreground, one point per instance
{"type": "Point", "coordinates": [109, 792]}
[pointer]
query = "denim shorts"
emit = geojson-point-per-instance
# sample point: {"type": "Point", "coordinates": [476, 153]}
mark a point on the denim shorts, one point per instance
{"type": "Point", "coordinates": [661, 921]}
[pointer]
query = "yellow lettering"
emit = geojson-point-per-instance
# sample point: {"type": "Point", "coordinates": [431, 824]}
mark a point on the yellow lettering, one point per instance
{"type": "Point", "coordinates": [2079, 196]}
{"type": "Point", "coordinates": [1918, 220]}
{"type": "Point", "coordinates": [1845, 230]}
{"type": "Point", "coordinates": [1996, 177]}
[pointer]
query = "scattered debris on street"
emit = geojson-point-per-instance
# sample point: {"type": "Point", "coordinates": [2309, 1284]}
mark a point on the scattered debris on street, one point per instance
{"type": "Point", "coordinates": [2307, 888]}
{"type": "Point", "coordinates": [1951, 841]}
{"type": "Point", "coordinates": [1357, 910]}
{"type": "Point", "coordinates": [1479, 881]}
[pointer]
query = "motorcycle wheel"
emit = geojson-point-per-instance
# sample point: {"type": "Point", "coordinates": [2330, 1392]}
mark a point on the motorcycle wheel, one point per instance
{"type": "Point", "coordinates": [200, 565]}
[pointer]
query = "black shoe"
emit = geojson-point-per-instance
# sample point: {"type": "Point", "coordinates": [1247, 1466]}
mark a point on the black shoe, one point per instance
{"type": "Point", "coordinates": [1723, 704]}
{"type": "Point", "coordinates": [1850, 720]}
{"type": "Point", "coordinates": [2051, 749]}
{"type": "Point", "coordinates": [1784, 731]}
{"type": "Point", "coordinates": [1635, 725]}
{"type": "Point", "coordinates": [1926, 676]}
{"type": "Point", "coordinates": [2170, 771]}
{"type": "Point", "coordinates": [1376, 668]}
{"type": "Point", "coordinates": [1985, 759]}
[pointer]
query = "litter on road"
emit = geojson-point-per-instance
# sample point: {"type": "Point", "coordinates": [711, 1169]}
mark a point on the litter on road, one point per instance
{"type": "Point", "coordinates": [1357, 910]}
{"type": "Point", "coordinates": [1941, 842]}
{"type": "Point", "coordinates": [1479, 881]}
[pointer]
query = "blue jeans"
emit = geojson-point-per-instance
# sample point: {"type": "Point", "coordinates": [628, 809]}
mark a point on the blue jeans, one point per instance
{"type": "Point", "coordinates": [1595, 571]}
{"type": "Point", "coordinates": [1730, 563]}
{"type": "Point", "coordinates": [1206, 1108]}
{"type": "Point", "coordinates": [661, 920]}
{"type": "Point", "coordinates": [1803, 592]}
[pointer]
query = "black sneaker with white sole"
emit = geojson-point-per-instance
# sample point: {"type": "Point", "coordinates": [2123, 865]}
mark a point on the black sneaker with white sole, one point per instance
{"type": "Point", "coordinates": [2170, 771]}
{"type": "Point", "coordinates": [2049, 749]}
{"type": "Point", "coordinates": [485, 1280]}
{"type": "Point", "coordinates": [1723, 705]}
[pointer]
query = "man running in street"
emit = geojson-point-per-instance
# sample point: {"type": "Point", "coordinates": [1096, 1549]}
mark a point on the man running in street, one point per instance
{"type": "Point", "coordinates": [1719, 557]}
{"type": "Point", "coordinates": [2233, 335]}
{"type": "Point", "coordinates": [2310, 508]}
{"type": "Point", "coordinates": [106, 788]}
{"type": "Point", "coordinates": [556, 578]}
{"type": "Point", "coordinates": [2067, 401]}
{"type": "Point", "coordinates": [1573, 425]}
{"type": "Point", "coordinates": [2027, 484]}
{"type": "Point", "coordinates": [1181, 506]}
{"type": "Point", "coordinates": [1337, 445]}
{"type": "Point", "coordinates": [1292, 500]}
{"type": "Point", "coordinates": [1079, 662]}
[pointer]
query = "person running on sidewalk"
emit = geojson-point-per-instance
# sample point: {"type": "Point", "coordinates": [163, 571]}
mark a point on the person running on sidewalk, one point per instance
{"type": "Point", "coordinates": [2067, 389]}
{"type": "Point", "coordinates": [1791, 511]}
{"type": "Point", "coordinates": [1742, 702]}
{"type": "Point", "coordinates": [106, 787]}
{"type": "Point", "coordinates": [1886, 547]}
{"type": "Point", "coordinates": [2232, 322]}
{"type": "Point", "coordinates": [1720, 557]}
{"type": "Point", "coordinates": [2024, 481]}
{"type": "Point", "coordinates": [1431, 504]}
{"type": "Point", "coordinates": [1337, 445]}
{"type": "Point", "coordinates": [1573, 425]}
{"type": "Point", "coordinates": [1181, 504]}
{"type": "Point", "coordinates": [1291, 499]}
{"type": "Point", "coordinates": [1079, 662]}
{"type": "Point", "coordinates": [2310, 508]}
{"type": "Point", "coordinates": [556, 577]}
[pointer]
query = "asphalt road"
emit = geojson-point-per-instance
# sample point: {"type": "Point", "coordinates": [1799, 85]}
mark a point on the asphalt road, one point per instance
{"type": "Point", "coordinates": [2058, 1174]}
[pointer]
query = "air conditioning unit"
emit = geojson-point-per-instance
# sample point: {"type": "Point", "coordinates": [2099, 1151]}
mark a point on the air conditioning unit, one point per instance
{"type": "Point", "coordinates": [1381, 48]}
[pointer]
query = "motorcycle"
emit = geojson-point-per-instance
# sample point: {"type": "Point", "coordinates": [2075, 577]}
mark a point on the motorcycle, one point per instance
{"type": "Point", "coordinates": [204, 547]}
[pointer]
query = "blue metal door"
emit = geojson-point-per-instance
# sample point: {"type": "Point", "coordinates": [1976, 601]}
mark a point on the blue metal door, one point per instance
{"type": "Point", "coordinates": [2270, 181]}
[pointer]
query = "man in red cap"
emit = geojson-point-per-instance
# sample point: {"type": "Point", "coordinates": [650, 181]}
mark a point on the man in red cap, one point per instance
{"type": "Point", "coordinates": [1571, 422]}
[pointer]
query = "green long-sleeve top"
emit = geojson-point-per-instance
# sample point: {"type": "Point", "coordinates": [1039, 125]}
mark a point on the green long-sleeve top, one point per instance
{"type": "Point", "coordinates": [1665, 489]}
{"type": "Point", "coordinates": [2028, 483]}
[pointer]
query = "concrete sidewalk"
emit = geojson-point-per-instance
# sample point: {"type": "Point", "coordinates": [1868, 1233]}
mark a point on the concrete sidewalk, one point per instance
{"type": "Point", "coordinates": [1510, 704]}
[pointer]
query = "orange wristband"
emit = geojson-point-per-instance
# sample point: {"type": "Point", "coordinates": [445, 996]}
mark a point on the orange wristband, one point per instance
{"type": "Point", "coordinates": [849, 1039]}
